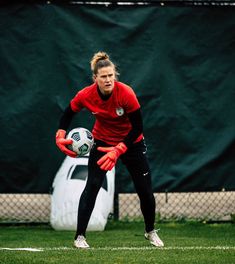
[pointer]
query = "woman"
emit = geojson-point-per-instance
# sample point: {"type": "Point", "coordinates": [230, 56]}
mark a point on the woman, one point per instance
{"type": "Point", "coordinates": [118, 132]}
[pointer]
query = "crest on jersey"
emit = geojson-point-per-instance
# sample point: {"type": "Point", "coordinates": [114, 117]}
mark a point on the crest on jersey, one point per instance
{"type": "Point", "coordinates": [119, 111]}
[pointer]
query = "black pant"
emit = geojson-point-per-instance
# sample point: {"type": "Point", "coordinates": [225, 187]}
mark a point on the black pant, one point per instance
{"type": "Point", "coordinates": [136, 163]}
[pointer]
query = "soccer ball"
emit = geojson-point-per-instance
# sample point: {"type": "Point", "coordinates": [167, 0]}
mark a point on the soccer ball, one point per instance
{"type": "Point", "coordinates": [82, 141]}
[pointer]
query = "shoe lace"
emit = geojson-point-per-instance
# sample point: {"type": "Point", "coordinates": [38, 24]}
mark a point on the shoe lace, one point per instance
{"type": "Point", "coordinates": [81, 239]}
{"type": "Point", "coordinates": [154, 234]}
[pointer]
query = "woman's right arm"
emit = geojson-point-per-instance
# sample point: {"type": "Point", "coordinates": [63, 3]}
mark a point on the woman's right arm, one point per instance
{"type": "Point", "coordinates": [66, 118]}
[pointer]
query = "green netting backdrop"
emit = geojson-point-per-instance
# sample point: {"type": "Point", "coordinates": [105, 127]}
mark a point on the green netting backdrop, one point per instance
{"type": "Point", "coordinates": [179, 60]}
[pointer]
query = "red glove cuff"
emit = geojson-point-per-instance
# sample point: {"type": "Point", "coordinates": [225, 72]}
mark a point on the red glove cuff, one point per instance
{"type": "Point", "coordinates": [60, 133]}
{"type": "Point", "coordinates": [121, 148]}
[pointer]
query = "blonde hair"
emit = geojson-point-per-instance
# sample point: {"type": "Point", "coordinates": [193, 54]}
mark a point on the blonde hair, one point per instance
{"type": "Point", "coordinates": [99, 60]}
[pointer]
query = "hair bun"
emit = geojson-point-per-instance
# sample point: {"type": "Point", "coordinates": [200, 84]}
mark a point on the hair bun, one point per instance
{"type": "Point", "coordinates": [97, 57]}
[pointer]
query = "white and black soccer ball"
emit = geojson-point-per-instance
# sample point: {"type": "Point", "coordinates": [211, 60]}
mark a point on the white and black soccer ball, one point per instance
{"type": "Point", "coordinates": [82, 141]}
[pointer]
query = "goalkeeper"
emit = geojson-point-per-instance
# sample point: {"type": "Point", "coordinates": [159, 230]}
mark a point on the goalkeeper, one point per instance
{"type": "Point", "coordinates": [118, 133]}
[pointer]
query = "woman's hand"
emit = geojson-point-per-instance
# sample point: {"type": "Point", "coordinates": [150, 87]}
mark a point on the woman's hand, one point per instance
{"type": "Point", "coordinates": [108, 161]}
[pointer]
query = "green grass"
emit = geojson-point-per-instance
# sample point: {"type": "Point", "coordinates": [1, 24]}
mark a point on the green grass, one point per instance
{"type": "Point", "coordinates": [121, 243]}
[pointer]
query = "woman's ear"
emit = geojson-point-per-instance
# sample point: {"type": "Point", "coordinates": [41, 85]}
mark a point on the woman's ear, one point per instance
{"type": "Point", "coordinates": [94, 77]}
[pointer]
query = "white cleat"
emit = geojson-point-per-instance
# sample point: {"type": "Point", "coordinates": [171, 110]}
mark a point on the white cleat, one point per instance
{"type": "Point", "coordinates": [80, 242]}
{"type": "Point", "coordinates": [154, 239]}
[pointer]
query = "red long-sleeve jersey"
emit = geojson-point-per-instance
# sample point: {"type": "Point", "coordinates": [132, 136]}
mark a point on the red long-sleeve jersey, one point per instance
{"type": "Point", "coordinates": [112, 123]}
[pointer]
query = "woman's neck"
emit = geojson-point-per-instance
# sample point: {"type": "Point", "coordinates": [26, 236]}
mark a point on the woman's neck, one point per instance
{"type": "Point", "coordinates": [104, 97]}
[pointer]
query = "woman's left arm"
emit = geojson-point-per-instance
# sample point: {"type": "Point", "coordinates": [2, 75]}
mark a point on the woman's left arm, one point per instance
{"type": "Point", "coordinates": [136, 121]}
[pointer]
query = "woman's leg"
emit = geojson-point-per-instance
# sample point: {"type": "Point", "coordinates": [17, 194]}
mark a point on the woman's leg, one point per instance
{"type": "Point", "coordinates": [87, 201]}
{"type": "Point", "coordinates": [136, 162]}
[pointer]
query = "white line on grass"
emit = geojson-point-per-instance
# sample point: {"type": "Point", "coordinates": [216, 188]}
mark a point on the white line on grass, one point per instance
{"type": "Point", "coordinates": [124, 248]}
{"type": "Point", "coordinates": [168, 248]}
{"type": "Point", "coordinates": [23, 249]}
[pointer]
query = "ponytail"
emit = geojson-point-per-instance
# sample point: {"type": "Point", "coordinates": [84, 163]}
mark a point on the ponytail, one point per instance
{"type": "Point", "coordinates": [101, 59]}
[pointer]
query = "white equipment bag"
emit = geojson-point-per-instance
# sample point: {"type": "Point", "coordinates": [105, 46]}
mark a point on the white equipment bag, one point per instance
{"type": "Point", "coordinates": [68, 185]}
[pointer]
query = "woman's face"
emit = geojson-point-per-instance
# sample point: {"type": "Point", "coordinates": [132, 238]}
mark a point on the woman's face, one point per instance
{"type": "Point", "coordinates": [105, 78]}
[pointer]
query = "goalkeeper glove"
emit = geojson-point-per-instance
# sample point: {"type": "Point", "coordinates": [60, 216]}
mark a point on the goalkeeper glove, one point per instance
{"type": "Point", "coordinates": [108, 161]}
{"type": "Point", "coordinates": [62, 142]}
